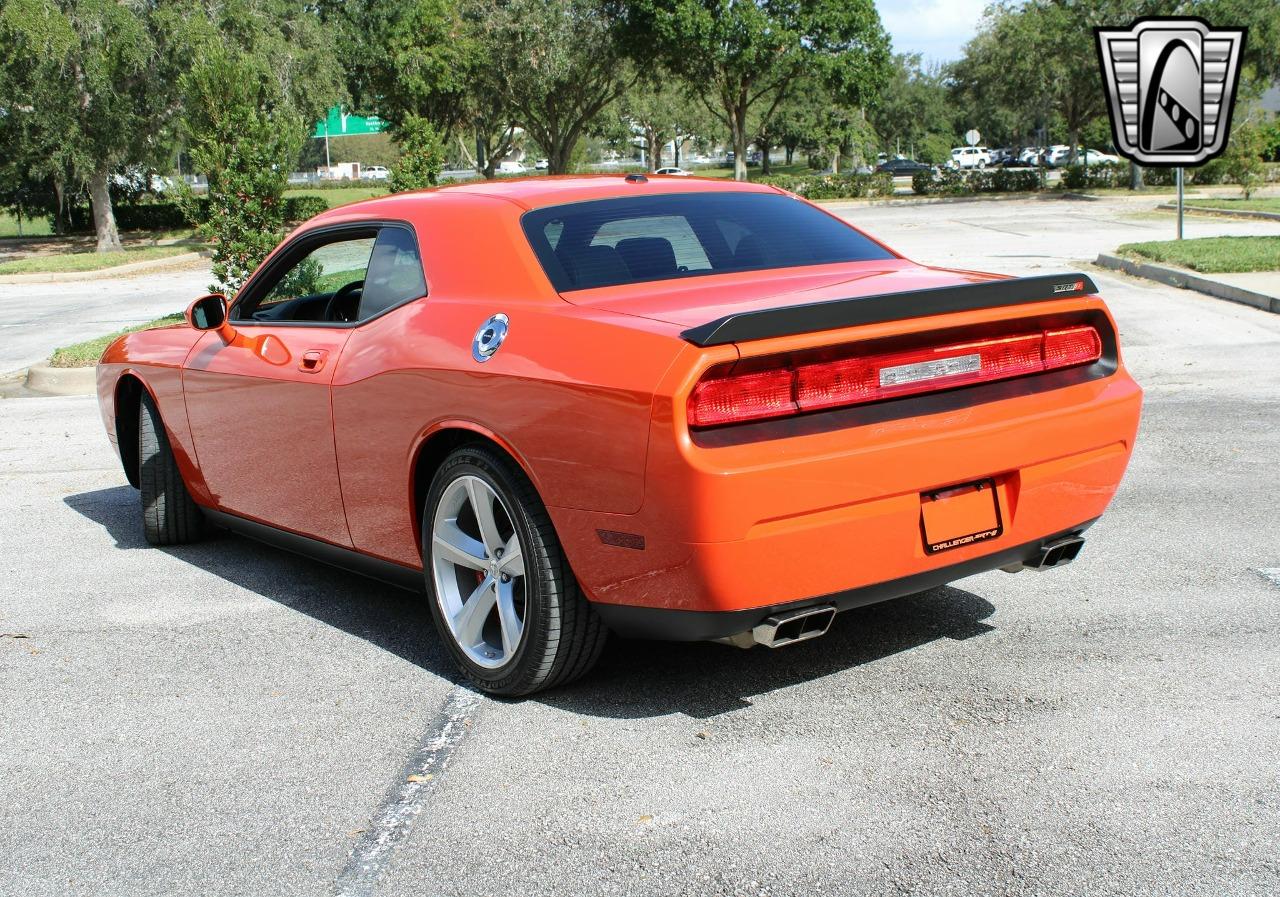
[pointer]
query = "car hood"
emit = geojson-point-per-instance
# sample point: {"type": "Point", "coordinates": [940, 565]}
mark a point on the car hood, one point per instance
{"type": "Point", "coordinates": [699, 300]}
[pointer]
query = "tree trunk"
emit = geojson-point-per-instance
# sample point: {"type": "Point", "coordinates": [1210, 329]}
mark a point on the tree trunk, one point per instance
{"type": "Point", "coordinates": [558, 156]}
{"type": "Point", "coordinates": [739, 118]}
{"type": "Point", "coordinates": [1073, 136]}
{"type": "Point", "coordinates": [1135, 176]}
{"type": "Point", "coordinates": [675, 150]}
{"type": "Point", "coordinates": [835, 161]}
{"type": "Point", "coordinates": [655, 149]}
{"type": "Point", "coordinates": [791, 151]}
{"type": "Point", "coordinates": [60, 212]}
{"type": "Point", "coordinates": [104, 220]}
{"type": "Point", "coordinates": [765, 146]}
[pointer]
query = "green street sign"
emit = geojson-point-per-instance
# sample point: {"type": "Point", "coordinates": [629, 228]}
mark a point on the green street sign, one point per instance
{"type": "Point", "coordinates": [340, 124]}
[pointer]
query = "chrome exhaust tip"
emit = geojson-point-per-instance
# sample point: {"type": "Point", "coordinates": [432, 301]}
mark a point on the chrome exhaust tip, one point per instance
{"type": "Point", "coordinates": [1058, 553]}
{"type": "Point", "coordinates": [786, 628]}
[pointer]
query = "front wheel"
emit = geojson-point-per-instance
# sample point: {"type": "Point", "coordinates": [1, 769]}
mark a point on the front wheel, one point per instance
{"type": "Point", "coordinates": [502, 594]}
{"type": "Point", "coordinates": [169, 515]}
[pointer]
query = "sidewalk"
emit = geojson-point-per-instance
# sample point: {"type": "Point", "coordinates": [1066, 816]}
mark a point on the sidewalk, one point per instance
{"type": "Point", "coordinates": [1260, 289]}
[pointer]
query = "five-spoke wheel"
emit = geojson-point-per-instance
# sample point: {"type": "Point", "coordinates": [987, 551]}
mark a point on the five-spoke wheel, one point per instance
{"type": "Point", "coordinates": [503, 595]}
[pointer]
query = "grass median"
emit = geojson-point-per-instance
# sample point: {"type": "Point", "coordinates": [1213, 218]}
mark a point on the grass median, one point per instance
{"type": "Point", "coordinates": [64, 262]}
{"type": "Point", "coordinates": [1211, 255]}
{"type": "Point", "coordinates": [86, 354]}
{"type": "Point", "coordinates": [1235, 203]}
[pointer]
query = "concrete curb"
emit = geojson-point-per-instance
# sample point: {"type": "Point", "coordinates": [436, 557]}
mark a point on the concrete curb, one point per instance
{"type": "Point", "coordinates": [1187, 280]}
{"type": "Point", "coordinates": [1229, 213]}
{"type": "Point", "coordinates": [62, 381]}
{"type": "Point", "coordinates": [173, 261]}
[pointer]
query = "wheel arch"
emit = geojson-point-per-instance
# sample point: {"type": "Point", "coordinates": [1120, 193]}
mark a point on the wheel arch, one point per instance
{"type": "Point", "coordinates": [128, 403]}
{"type": "Point", "coordinates": [436, 443]}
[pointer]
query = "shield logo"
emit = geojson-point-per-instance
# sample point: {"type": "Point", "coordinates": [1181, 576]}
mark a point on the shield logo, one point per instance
{"type": "Point", "coordinates": [1170, 84]}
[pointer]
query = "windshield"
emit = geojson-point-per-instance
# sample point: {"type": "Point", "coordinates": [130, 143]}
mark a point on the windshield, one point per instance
{"type": "Point", "coordinates": [616, 241]}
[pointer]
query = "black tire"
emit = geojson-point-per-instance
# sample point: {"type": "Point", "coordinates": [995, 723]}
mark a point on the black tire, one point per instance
{"type": "Point", "coordinates": [563, 636]}
{"type": "Point", "coordinates": [169, 515]}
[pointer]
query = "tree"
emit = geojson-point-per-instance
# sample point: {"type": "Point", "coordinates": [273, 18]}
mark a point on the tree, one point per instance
{"type": "Point", "coordinates": [91, 88]}
{"type": "Point", "coordinates": [556, 65]}
{"type": "Point", "coordinates": [914, 103]}
{"type": "Point", "coordinates": [259, 73]}
{"type": "Point", "coordinates": [660, 111]}
{"type": "Point", "coordinates": [244, 138]}
{"type": "Point", "coordinates": [421, 157]}
{"type": "Point", "coordinates": [748, 54]}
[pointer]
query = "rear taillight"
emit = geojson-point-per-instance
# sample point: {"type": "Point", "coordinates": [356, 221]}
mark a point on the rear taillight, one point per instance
{"type": "Point", "coordinates": [790, 387]}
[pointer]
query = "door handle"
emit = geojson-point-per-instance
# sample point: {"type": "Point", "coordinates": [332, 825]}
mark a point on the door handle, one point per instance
{"type": "Point", "coordinates": [312, 360]}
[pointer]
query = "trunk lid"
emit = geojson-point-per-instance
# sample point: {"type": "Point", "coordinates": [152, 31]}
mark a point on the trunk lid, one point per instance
{"type": "Point", "coordinates": [693, 301]}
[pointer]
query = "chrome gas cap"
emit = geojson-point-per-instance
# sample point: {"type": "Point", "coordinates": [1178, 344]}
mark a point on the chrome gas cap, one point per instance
{"type": "Point", "coordinates": [489, 338]}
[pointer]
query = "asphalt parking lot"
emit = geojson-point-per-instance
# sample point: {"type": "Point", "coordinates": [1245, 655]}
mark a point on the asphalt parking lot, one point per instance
{"type": "Point", "coordinates": [227, 719]}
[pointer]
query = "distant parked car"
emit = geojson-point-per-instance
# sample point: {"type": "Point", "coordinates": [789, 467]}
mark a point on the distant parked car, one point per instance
{"type": "Point", "coordinates": [541, 165]}
{"type": "Point", "coordinates": [1096, 157]}
{"type": "Point", "coordinates": [511, 167]}
{"type": "Point", "coordinates": [679, 172]}
{"type": "Point", "coordinates": [375, 173]}
{"type": "Point", "coordinates": [1057, 155]}
{"type": "Point", "coordinates": [901, 167]}
{"type": "Point", "coordinates": [970, 157]}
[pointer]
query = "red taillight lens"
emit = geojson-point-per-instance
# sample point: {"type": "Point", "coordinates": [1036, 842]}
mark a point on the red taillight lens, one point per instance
{"type": "Point", "coordinates": [790, 388]}
{"type": "Point", "coordinates": [726, 400]}
{"type": "Point", "coordinates": [1072, 346]}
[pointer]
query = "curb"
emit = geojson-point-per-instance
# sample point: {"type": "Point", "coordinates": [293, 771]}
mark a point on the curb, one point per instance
{"type": "Point", "coordinates": [172, 261]}
{"type": "Point", "coordinates": [1178, 277]}
{"type": "Point", "coordinates": [62, 381]}
{"type": "Point", "coordinates": [1229, 213]}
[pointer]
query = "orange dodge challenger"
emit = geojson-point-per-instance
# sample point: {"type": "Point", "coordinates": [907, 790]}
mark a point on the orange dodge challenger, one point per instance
{"type": "Point", "coordinates": [668, 407]}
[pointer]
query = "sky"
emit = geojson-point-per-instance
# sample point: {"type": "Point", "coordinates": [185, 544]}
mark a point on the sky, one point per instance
{"type": "Point", "coordinates": [936, 28]}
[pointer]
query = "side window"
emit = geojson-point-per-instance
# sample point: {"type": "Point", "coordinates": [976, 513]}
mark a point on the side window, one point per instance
{"type": "Point", "coordinates": [394, 275]}
{"type": "Point", "coordinates": [324, 285]}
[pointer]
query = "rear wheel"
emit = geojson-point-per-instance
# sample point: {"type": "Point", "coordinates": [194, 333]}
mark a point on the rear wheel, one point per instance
{"type": "Point", "coordinates": [502, 594]}
{"type": "Point", "coordinates": [169, 515]}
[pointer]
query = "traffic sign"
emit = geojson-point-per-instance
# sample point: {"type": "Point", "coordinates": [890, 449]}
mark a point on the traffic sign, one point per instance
{"type": "Point", "coordinates": [972, 137]}
{"type": "Point", "coordinates": [341, 124]}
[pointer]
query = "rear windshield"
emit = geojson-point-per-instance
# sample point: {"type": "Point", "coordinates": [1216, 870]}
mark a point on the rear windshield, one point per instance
{"type": "Point", "coordinates": [614, 241]}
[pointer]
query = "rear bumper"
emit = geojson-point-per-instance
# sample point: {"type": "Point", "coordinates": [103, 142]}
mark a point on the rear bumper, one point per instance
{"type": "Point", "coordinates": [746, 529]}
{"type": "Point", "coordinates": [666, 624]}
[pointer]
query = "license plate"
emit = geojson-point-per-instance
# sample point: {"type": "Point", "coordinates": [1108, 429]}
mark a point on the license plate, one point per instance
{"type": "Point", "coordinates": [959, 515]}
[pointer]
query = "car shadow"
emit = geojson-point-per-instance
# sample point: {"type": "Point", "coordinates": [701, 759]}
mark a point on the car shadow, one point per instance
{"type": "Point", "coordinates": [635, 679]}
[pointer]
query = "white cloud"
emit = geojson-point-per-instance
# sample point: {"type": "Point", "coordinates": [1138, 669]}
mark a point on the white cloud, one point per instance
{"type": "Point", "coordinates": [936, 28]}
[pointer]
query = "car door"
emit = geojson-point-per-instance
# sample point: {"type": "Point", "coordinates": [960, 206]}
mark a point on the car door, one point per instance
{"type": "Point", "coordinates": [259, 407]}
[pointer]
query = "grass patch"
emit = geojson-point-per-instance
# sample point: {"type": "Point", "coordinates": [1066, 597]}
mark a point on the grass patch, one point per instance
{"type": "Point", "coordinates": [87, 353]}
{"type": "Point", "coordinates": [30, 228]}
{"type": "Point", "coordinates": [1211, 255]}
{"type": "Point", "coordinates": [1256, 204]}
{"type": "Point", "coordinates": [340, 196]}
{"type": "Point", "coordinates": [88, 261]}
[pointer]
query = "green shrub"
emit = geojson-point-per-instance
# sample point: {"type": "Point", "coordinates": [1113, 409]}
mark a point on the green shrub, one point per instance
{"type": "Point", "coordinates": [1105, 174]}
{"type": "Point", "coordinates": [421, 156]}
{"type": "Point", "coordinates": [299, 208]}
{"type": "Point", "coordinates": [952, 182]}
{"type": "Point", "coordinates": [832, 186]}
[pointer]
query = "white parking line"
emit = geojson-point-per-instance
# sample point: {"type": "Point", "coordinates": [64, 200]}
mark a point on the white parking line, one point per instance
{"type": "Point", "coordinates": [407, 797]}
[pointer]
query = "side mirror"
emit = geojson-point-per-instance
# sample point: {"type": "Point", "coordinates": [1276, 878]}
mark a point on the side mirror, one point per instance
{"type": "Point", "coordinates": [208, 312]}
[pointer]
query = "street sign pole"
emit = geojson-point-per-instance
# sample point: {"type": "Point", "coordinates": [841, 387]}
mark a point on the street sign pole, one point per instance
{"type": "Point", "coordinates": [1179, 203]}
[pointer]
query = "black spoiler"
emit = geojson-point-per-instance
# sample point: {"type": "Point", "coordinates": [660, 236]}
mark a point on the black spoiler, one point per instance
{"type": "Point", "coordinates": [816, 316]}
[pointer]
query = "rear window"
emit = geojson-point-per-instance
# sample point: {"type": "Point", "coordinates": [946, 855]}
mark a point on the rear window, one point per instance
{"type": "Point", "coordinates": [615, 241]}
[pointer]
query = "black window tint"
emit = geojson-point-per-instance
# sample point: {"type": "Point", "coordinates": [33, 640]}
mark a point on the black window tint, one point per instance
{"type": "Point", "coordinates": [615, 241]}
{"type": "Point", "coordinates": [395, 272]}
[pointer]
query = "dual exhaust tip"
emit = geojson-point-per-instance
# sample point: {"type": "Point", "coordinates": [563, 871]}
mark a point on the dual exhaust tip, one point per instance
{"type": "Point", "coordinates": [804, 623]}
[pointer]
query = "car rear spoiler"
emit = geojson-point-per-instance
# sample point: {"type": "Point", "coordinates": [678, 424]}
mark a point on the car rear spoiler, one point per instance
{"type": "Point", "coordinates": [816, 316]}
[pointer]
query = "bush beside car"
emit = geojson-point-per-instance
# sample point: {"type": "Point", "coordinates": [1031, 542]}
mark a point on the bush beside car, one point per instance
{"type": "Point", "coordinates": [832, 186]}
{"type": "Point", "coordinates": [952, 182]}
